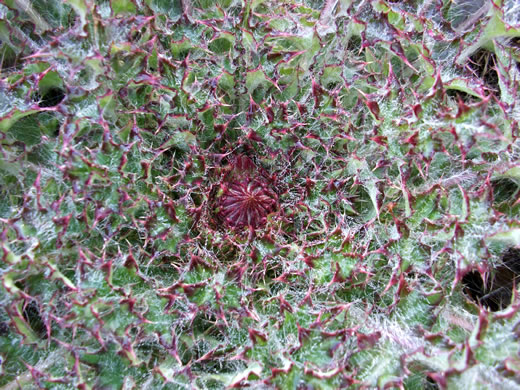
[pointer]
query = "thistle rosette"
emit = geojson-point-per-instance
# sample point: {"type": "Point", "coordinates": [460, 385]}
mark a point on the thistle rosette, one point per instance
{"type": "Point", "coordinates": [369, 149]}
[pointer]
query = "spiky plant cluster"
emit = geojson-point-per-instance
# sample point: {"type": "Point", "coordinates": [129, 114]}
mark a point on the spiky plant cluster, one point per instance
{"type": "Point", "coordinates": [254, 193]}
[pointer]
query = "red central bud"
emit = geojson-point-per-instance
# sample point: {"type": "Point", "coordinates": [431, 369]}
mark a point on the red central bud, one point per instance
{"type": "Point", "coordinates": [247, 203]}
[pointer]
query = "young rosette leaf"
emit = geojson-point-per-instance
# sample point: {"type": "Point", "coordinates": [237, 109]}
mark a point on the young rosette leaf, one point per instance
{"type": "Point", "coordinates": [265, 194]}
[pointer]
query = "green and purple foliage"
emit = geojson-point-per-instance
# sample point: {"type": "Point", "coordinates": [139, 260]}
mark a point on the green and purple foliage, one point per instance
{"type": "Point", "coordinates": [292, 194]}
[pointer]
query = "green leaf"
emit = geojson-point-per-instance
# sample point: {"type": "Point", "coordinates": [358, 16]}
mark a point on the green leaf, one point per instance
{"type": "Point", "coordinates": [510, 237]}
{"type": "Point", "coordinates": [172, 8]}
{"type": "Point", "coordinates": [23, 327]}
{"type": "Point", "coordinates": [253, 371]}
{"type": "Point", "coordinates": [81, 8]}
{"type": "Point", "coordinates": [222, 44]}
{"type": "Point", "coordinates": [26, 130]}
{"type": "Point", "coordinates": [8, 120]}
{"type": "Point", "coordinates": [123, 7]}
{"type": "Point", "coordinates": [512, 173]}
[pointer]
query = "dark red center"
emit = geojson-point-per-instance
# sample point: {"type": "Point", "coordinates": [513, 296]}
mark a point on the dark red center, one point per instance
{"type": "Point", "coordinates": [247, 203]}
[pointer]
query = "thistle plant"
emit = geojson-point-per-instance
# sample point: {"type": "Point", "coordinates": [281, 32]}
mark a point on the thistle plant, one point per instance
{"type": "Point", "coordinates": [313, 194]}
